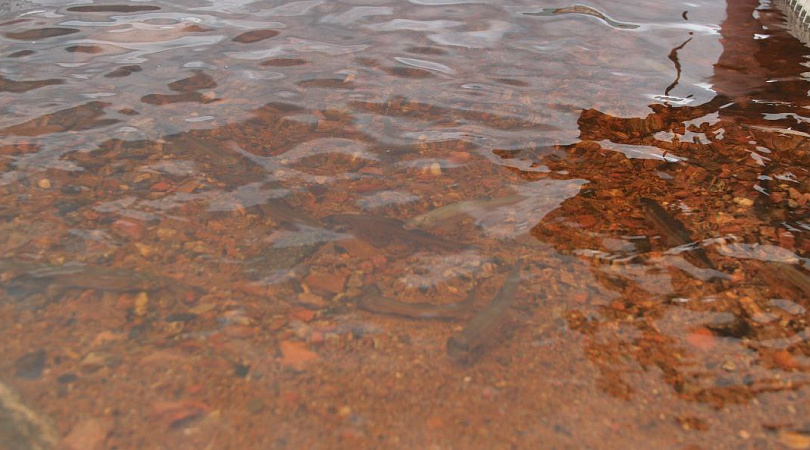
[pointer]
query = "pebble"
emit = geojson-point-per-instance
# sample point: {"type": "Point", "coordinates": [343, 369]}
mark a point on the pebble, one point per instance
{"type": "Point", "coordinates": [303, 314]}
{"type": "Point", "coordinates": [31, 365]}
{"type": "Point", "coordinates": [141, 304]}
{"type": "Point", "coordinates": [132, 229]}
{"type": "Point", "coordinates": [784, 359]}
{"type": "Point", "coordinates": [88, 434]}
{"type": "Point", "coordinates": [743, 201]}
{"type": "Point", "coordinates": [160, 186]}
{"type": "Point", "coordinates": [794, 440]}
{"type": "Point", "coordinates": [175, 413]}
{"type": "Point", "coordinates": [276, 323]}
{"type": "Point", "coordinates": [44, 183]}
{"type": "Point", "coordinates": [702, 339]}
{"type": "Point", "coordinates": [96, 360]}
{"type": "Point", "coordinates": [240, 331]}
{"type": "Point", "coordinates": [254, 405]}
{"type": "Point", "coordinates": [296, 355]}
{"type": "Point", "coordinates": [326, 282]}
{"type": "Point", "coordinates": [144, 249]}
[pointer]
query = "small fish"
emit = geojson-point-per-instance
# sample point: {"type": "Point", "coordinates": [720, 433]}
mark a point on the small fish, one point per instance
{"type": "Point", "coordinates": [373, 301]}
{"type": "Point", "coordinates": [381, 231]}
{"type": "Point", "coordinates": [483, 329]}
{"type": "Point", "coordinates": [447, 212]}
{"type": "Point", "coordinates": [77, 276]}
{"type": "Point", "coordinates": [674, 232]}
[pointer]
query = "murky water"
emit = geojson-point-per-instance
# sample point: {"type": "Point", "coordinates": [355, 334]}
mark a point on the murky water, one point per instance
{"type": "Point", "coordinates": [434, 223]}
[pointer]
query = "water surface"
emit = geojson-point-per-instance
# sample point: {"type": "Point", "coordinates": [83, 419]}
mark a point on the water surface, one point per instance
{"type": "Point", "coordinates": [236, 224]}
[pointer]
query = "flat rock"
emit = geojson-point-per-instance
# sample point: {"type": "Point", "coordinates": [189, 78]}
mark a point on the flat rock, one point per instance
{"type": "Point", "coordinates": [20, 427]}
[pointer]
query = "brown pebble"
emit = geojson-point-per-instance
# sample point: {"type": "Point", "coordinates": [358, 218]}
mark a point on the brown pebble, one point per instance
{"type": "Point", "coordinates": [160, 186]}
{"type": "Point", "coordinates": [326, 282]}
{"type": "Point", "coordinates": [784, 359]}
{"type": "Point", "coordinates": [129, 228]}
{"type": "Point", "coordinates": [240, 331]}
{"type": "Point", "coordinates": [141, 304]}
{"type": "Point", "coordinates": [794, 440]}
{"type": "Point", "coordinates": [88, 434]}
{"type": "Point", "coordinates": [371, 171]}
{"type": "Point", "coordinates": [702, 338]}
{"type": "Point", "coordinates": [316, 338]}
{"type": "Point", "coordinates": [254, 405]}
{"type": "Point", "coordinates": [249, 37]}
{"type": "Point", "coordinates": [176, 412]}
{"type": "Point", "coordinates": [296, 355]}
{"type": "Point", "coordinates": [303, 314]}
{"type": "Point", "coordinates": [587, 221]}
{"type": "Point", "coordinates": [276, 323]}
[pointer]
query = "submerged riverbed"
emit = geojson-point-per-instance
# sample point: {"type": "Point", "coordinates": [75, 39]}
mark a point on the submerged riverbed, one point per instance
{"type": "Point", "coordinates": [422, 224]}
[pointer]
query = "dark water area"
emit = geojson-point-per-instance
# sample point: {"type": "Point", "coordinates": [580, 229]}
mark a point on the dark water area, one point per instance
{"type": "Point", "coordinates": [389, 224]}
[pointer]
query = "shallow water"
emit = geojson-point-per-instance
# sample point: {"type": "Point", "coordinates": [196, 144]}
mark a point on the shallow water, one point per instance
{"type": "Point", "coordinates": [234, 224]}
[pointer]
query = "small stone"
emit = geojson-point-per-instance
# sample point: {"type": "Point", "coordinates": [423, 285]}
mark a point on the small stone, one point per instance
{"type": "Point", "coordinates": [702, 339]}
{"type": "Point", "coordinates": [241, 370]}
{"type": "Point", "coordinates": [160, 186]}
{"type": "Point", "coordinates": [144, 249]}
{"type": "Point", "coordinates": [303, 314]}
{"type": "Point", "coordinates": [203, 308]}
{"type": "Point", "coordinates": [188, 187]}
{"type": "Point", "coordinates": [177, 413]}
{"type": "Point", "coordinates": [794, 440]}
{"type": "Point", "coordinates": [132, 229]}
{"type": "Point", "coordinates": [311, 299]}
{"type": "Point", "coordinates": [276, 323]}
{"type": "Point", "coordinates": [97, 360]}
{"type": "Point", "coordinates": [729, 366]}
{"type": "Point", "coordinates": [435, 169]}
{"type": "Point", "coordinates": [141, 304]}
{"type": "Point", "coordinates": [460, 157]}
{"type": "Point", "coordinates": [240, 331]}
{"type": "Point", "coordinates": [31, 365]}
{"type": "Point", "coordinates": [785, 360]}
{"type": "Point", "coordinates": [67, 378]}
{"type": "Point", "coordinates": [183, 317]}
{"type": "Point", "coordinates": [743, 201]}
{"type": "Point", "coordinates": [371, 170]}
{"type": "Point", "coordinates": [254, 405]}
{"type": "Point", "coordinates": [743, 434]}
{"type": "Point", "coordinates": [317, 338]}
{"type": "Point", "coordinates": [107, 336]}
{"type": "Point", "coordinates": [587, 221]}
{"type": "Point", "coordinates": [88, 434]}
{"type": "Point", "coordinates": [296, 355]}
{"type": "Point", "coordinates": [166, 233]}
{"type": "Point", "coordinates": [44, 183]}
{"type": "Point", "coordinates": [326, 282]}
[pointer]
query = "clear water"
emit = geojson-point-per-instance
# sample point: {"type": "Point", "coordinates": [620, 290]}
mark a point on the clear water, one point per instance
{"type": "Point", "coordinates": [233, 224]}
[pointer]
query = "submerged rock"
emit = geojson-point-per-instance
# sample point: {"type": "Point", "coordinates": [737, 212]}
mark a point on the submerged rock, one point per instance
{"type": "Point", "coordinates": [20, 427]}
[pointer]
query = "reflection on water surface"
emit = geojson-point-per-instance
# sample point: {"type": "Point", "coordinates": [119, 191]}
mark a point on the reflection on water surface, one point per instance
{"type": "Point", "coordinates": [236, 224]}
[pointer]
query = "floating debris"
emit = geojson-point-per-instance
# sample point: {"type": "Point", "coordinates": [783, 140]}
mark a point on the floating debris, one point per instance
{"type": "Point", "coordinates": [584, 10]}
